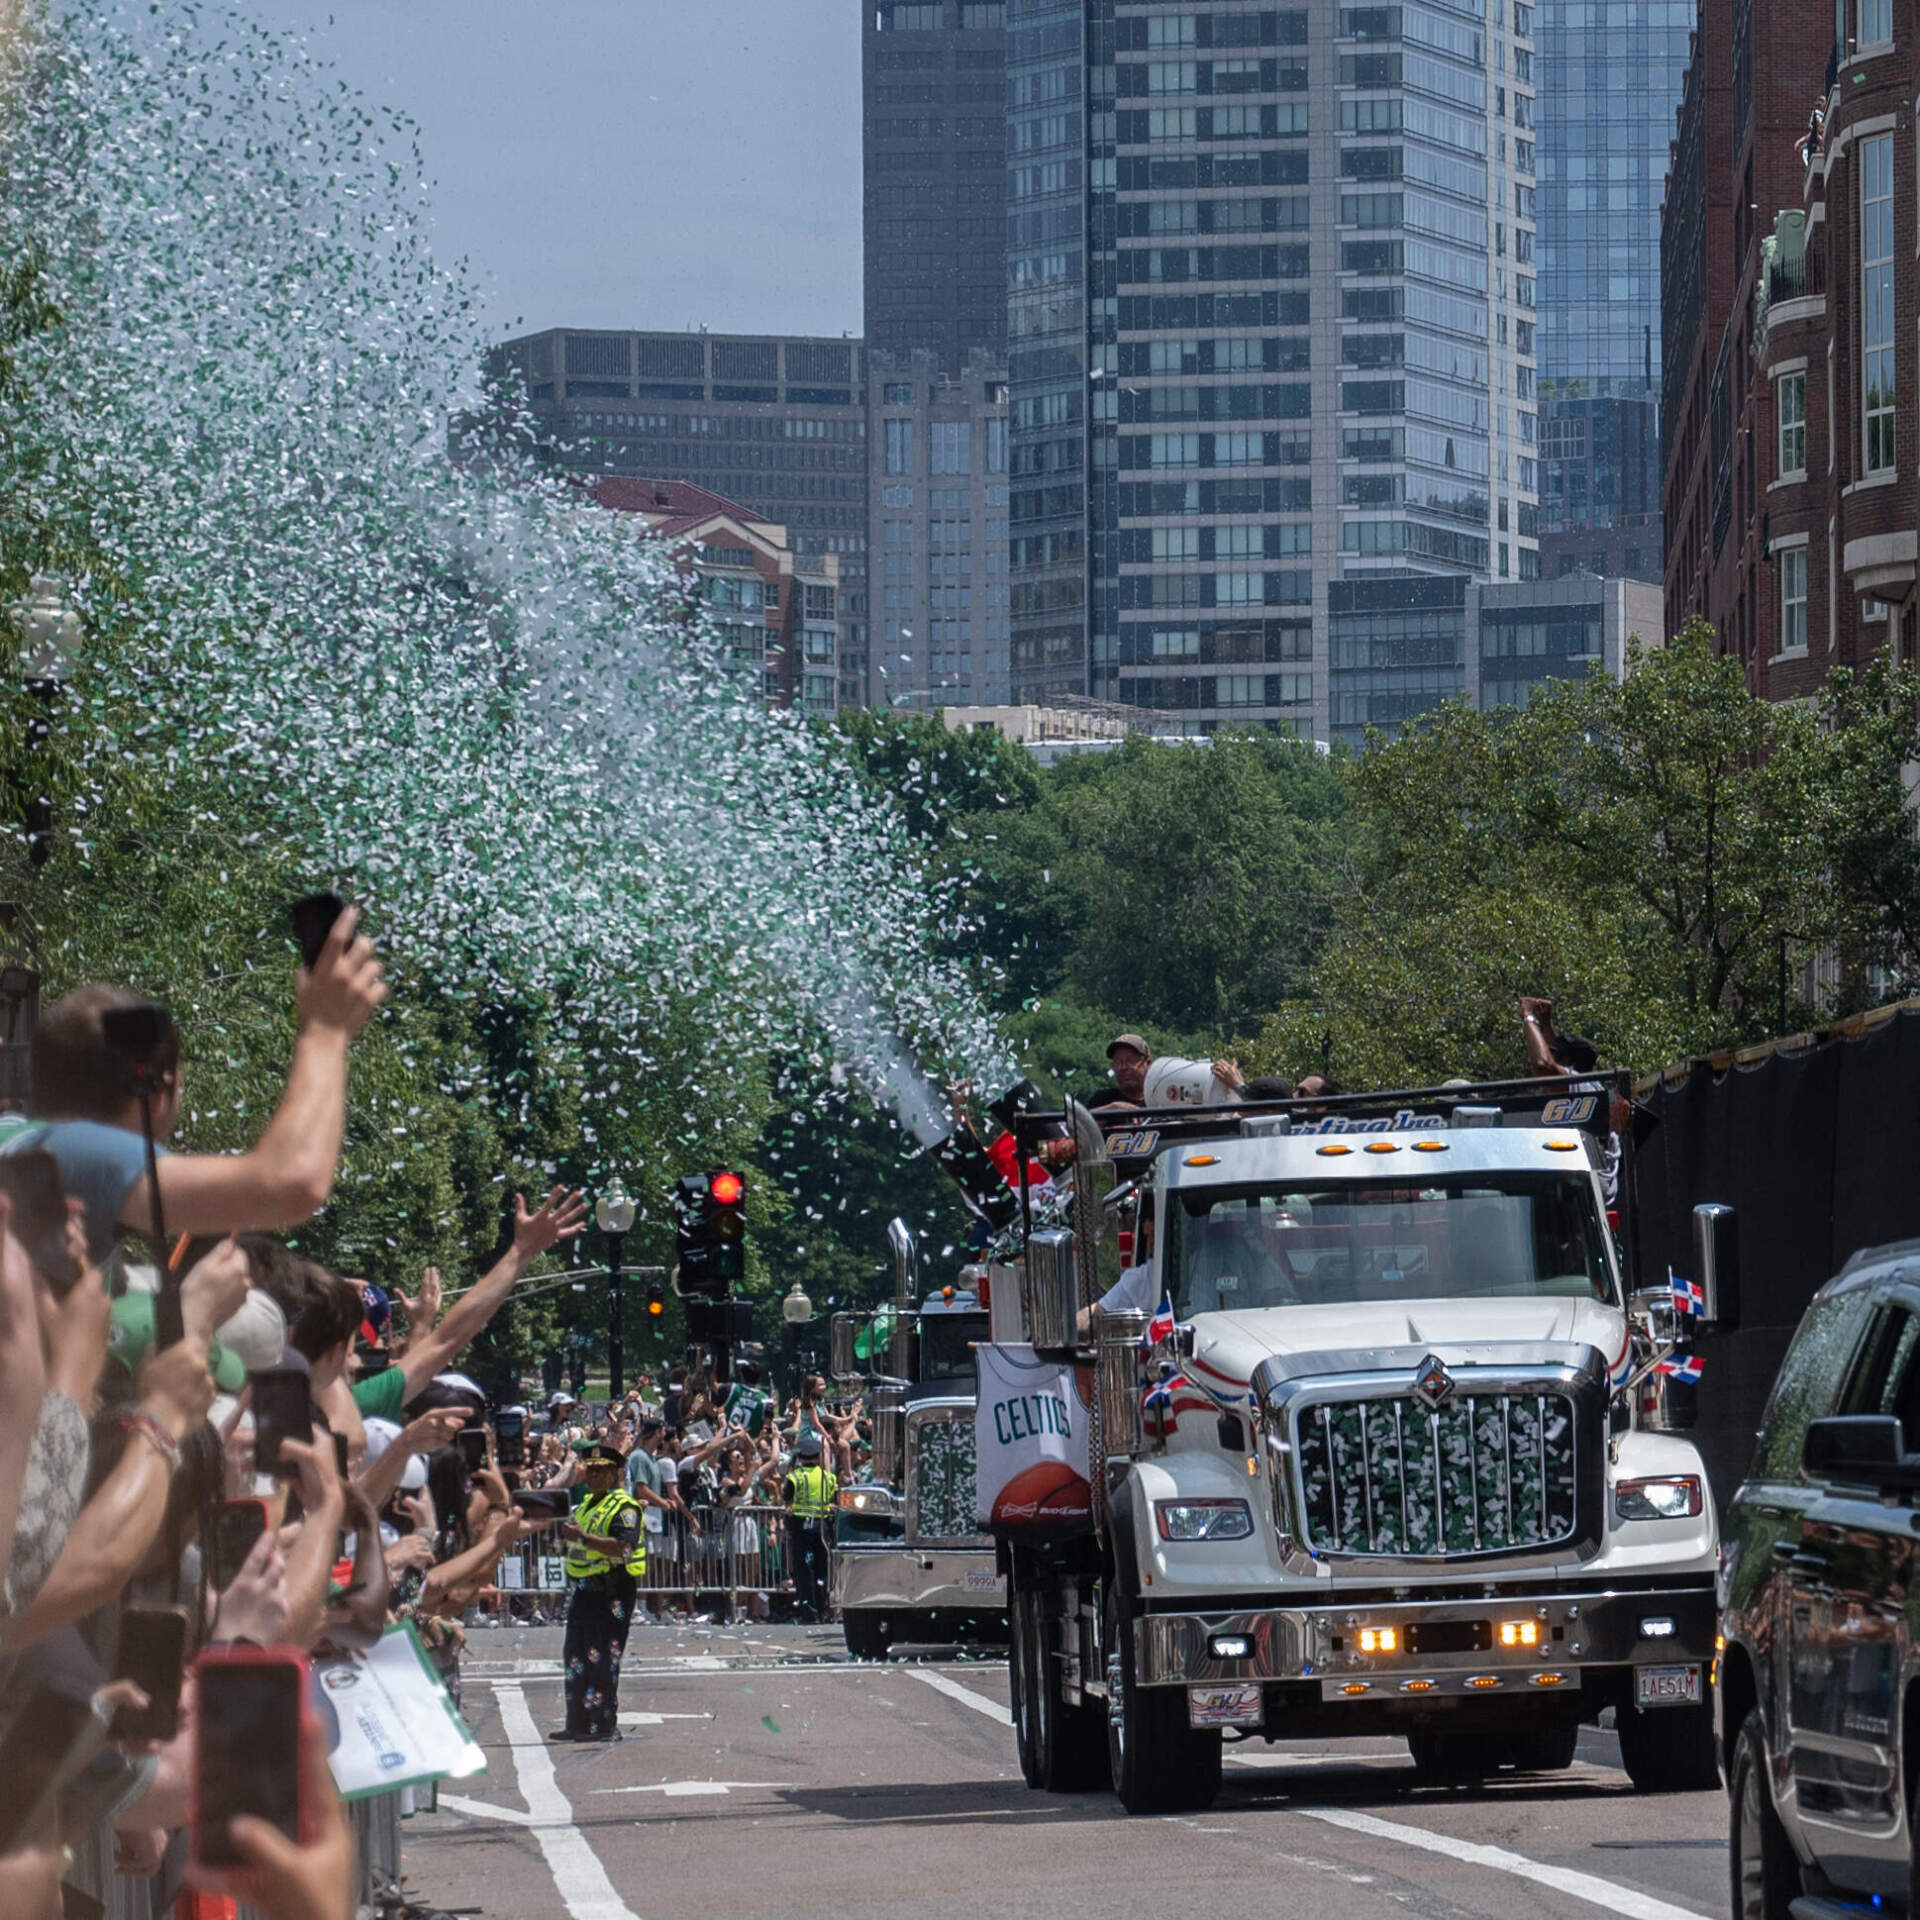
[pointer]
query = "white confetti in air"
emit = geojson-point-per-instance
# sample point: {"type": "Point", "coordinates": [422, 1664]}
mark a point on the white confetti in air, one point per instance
{"type": "Point", "coordinates": [493, 712]}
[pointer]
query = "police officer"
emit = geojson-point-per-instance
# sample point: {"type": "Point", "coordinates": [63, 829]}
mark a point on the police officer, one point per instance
{"type": "Point", "coordinates": [809, 1489]}
{"type": "Point", "coordinates": [606, 1559]}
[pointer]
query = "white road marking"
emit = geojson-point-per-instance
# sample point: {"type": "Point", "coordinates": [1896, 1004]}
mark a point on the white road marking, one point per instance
{"type": "Point", "coordinates": [955, 1691]}
{"type": "Point", "coordinates": [484, 1810]}
{"type": "Point", "coordinates": [1582, 1886]}
{"type": "Point", "coordinates": [658, 1719]}
{"type": "Point", "coordinates": [578, 1876]}
{"type": "Point", "coordinates": [693, 1789]}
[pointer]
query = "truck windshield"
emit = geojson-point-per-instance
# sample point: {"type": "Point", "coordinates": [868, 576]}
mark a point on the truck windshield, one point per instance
{"type": "Point", "coordinates": [1335, 1243]}
{"type": "Point", "coordinates": [946, 1344]}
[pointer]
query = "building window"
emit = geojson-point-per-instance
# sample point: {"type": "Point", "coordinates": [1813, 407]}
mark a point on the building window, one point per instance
{"type": "Point", "coordinates": [898, 393]}
{"type": "Point", "coordinates": [1790, 396]}
{"type": "Point", "coordinates": [1790, 567]}
{"type": "Point", "coordinates": [951, 446]}
{"type": "Point", "coordinates": [1876, 22]}
{"type": "Point", "coordinates": [1876, 299]}
{"type": "Point", "coordinates": [899, 446]}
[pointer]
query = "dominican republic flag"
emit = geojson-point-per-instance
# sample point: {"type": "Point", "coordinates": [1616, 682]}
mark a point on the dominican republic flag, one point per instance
{"type": "Point", "coordinates": [1688, 1296]}
{"type": "Point", "coordinates": [1158, 1398]}
{"type": "Point", "coordinates": [1160, 1327]}
{"type": "Point", "coordinates": [1687, 1370]}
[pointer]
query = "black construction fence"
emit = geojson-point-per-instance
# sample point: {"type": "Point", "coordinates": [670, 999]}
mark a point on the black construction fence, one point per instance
{"type": "Point", "coordinates": [1815, 1142]}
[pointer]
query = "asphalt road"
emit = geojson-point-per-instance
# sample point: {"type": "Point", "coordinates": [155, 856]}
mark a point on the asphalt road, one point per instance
{"type": "Point", "coordinates": [762, 1772]}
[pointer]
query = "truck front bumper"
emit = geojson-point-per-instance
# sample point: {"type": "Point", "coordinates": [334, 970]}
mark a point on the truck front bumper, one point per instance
{"type": "Point", "coordinates": [1453, 1646]}
{"type": "Point", "coordinates": [903, 1578]}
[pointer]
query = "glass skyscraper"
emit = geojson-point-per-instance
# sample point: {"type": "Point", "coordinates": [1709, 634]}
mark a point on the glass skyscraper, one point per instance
{"type": "Point", "coordinates": [1271, 332]}
{"type": "Point", "coordinates": [1611, 73]}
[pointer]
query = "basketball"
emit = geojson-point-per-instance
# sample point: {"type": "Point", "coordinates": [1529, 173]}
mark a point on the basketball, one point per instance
{"type": "Point", "coordinates": [1047, 1494]}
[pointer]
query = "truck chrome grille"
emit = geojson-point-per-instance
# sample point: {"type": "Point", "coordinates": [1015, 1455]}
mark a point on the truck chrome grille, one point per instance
{"type": "Point", "coordinates": [941, 1499]}
{"type": "Point", "coordinates": [1482, 1473]}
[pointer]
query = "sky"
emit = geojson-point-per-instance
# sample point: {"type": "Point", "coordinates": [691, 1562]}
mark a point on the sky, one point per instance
{"type": "Point", "coordinates": [625, 163]}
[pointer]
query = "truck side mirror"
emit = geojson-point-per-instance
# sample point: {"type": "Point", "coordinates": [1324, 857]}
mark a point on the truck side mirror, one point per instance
{"type": "Point", "coordinates": [906, 1259]}
{"type": "Point", "coordinates": [1867, 1449]}
{"type": "Point", "coordinates": [1716, 1259]}
{"type": "Point", "coordinates": [842, 1362]}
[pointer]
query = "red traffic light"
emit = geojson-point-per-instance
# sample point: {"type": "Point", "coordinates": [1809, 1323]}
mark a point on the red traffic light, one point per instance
{"type": "Point", "coordinates": [728, 1189]}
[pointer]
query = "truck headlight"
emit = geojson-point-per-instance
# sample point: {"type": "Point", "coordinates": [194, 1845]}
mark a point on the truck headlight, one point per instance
{"type": "Point", "coordinates": [1675, 1497]}
{"type": "Point", "coordinates": [1203, 1519]}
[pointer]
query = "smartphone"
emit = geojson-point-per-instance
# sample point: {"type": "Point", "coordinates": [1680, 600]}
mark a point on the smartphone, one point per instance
{"type": "Point", "coordinates": [313, 916]}
{"type": "Point", "coordinates": [31, 1181]}
{"type": "Point", "coordinates": [237, 1524]}
{"type": "Point", "coordinates": [249, 1713]}
{"type": "Point", "coordinates": [282, 1410]}
{"type": "Point", "coordinates": [544, 1503]}
{"type": "Point", "coordinates": [472, 1442]}
{"type": "Point", "coordinates": [153, 1655]}
{"type": "Point", "coordinates": [510, 1439]}
{"type": "Point", "coordinates": [53, 1737]}
{"type": "Point", "coordinates": [137, 1033]}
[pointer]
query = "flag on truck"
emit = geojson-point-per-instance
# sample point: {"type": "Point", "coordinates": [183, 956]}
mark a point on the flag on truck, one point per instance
{"type": "Point", "coordinates": [1160, 1327]}
{"type": "Point", "coordinates": [1688, 1295]}
{"type": "Point", "coordinates": [1687, 1370]}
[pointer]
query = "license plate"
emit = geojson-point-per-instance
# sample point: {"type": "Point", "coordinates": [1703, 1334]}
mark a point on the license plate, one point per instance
{"type": "Point", "coordinates": [1223, 1706]}
{"type": "Point", "coordinates": [979, 1580]}
{"type": "Point", "coordinates": [1666, 1686]}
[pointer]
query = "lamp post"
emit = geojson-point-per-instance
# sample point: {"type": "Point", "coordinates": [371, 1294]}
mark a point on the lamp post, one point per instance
{"type": "Point", "coordinates": [50, 635]}
{"type": "Point", "coordinates": [613, 1214]}
{"type": "Point", "coordinates": [796, 1310]}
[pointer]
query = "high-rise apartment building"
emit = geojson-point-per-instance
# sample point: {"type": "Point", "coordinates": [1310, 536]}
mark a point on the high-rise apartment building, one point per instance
{"type": "Point", "coordinates": [1759, 70]}
{"type": "Point", "coordinates": [1271, 330]}
{"type": "Point", "coordinates": [774, 421]}
{"type": "Point", "coordinates": [937, 519]}
{"type": "Point", "coordinates": [1611, 74]}
{"type": "Point", "coordinates": [934, 87]}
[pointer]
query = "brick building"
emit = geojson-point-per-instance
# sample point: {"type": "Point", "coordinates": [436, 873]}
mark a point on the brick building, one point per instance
{"type": "Point", "coordinates": [776, 609]}
{"type": "Point", "coordinates": [1756, 73]}
{"type": "Point", "coordinates": [1834, 381]}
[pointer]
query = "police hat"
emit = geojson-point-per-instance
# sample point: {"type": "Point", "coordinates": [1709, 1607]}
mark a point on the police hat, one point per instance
{"type": "Point", "coordinates": [602, 1455]}
{"type": "Point", "coordinates": [807, 1447]}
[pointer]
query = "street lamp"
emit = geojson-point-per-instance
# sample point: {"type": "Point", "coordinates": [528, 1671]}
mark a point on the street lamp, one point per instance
{"type": "Point", "coordinates": [796, 1309]}
{"type": "Point", "coordinates": [613, 1215]}
{"type": "Point", "coordinates": [50, 636]}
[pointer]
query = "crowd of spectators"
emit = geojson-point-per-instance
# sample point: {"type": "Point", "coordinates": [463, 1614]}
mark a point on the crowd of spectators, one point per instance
{"type": "Point", "coordinates": [134, 1383]}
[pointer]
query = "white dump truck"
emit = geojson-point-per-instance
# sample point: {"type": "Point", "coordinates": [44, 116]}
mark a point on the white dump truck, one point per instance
{"type": "Point", "coordinates": [1375, 1437]}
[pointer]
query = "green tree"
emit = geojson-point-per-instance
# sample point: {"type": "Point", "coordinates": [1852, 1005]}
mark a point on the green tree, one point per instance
{"type": "Point", "coordinates": [1644, 852]}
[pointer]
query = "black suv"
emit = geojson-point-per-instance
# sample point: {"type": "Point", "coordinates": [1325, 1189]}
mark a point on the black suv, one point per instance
{"type": "Point", "coordinates": [1819, 1680]}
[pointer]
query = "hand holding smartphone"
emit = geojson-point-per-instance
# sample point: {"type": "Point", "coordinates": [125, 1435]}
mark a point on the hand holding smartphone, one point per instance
{"type": "Point", "coordinates": [254, 1756]}
{"type": "Point", "coordinates": [313, 916]}
{"type": "Point", "coordinates": [152, 1654]}
{"type": "Point", "coordinates": [282, 1410]}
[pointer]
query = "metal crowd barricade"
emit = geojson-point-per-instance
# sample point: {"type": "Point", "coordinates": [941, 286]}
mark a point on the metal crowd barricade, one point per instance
{"type": "Point", "coordinates": [727, 1559]}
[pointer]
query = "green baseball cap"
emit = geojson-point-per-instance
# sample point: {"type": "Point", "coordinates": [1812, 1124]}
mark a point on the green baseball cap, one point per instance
{"type": "Point", "coordinates": [130, 1336]}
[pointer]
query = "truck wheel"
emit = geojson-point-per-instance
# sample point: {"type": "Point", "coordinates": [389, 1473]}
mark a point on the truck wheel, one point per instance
{"type": "Point", "coordinates": [1458, 1759]}
{"type": "Point", "coordinates": [1760, 1857]}
{"type": "Point", "coordinates": [1670, 1750]}
{"type": "Point", "coordinates": [1060, 1746]}
{"type": "Point", "coordinates": [1550, 1751]}
{"type": "Point", "coordinates": [1159, 1763]}
{"type": "Point", "coordinates": [866, 1633]}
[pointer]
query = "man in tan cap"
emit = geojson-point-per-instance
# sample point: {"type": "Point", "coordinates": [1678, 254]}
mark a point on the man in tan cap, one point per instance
{"type": "Point", "coordinates": [1129, 1056]}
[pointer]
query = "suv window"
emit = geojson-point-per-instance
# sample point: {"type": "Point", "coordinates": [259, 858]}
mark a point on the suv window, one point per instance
{"type": "Point", "coordinates": [1806, 1385]}
{"type": "Point", "coordinates": [1883, 1378]}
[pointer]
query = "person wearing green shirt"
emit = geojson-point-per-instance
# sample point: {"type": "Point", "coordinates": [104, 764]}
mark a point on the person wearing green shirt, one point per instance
{"type": "Point", "coordinates": [431, 1349]}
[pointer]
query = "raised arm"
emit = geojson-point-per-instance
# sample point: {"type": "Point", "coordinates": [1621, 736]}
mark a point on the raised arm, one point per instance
{"type": "Point", "coordinates": [287, 1175]}
{"type": "Point", "coordinates": [533, 1233]}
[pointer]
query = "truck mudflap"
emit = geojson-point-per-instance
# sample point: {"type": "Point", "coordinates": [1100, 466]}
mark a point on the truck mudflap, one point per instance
{"type": "Point", "coordinates": [1508, 1644]}
{"type": "Point", "coordinates": [905, 1578]}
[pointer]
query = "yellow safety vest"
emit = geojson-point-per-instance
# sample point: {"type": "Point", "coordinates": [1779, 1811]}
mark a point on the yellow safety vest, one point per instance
{"type": "Point", "coordinates": [598, 1516]}
{"type": "Point", "coordinates": [813, 1491]}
